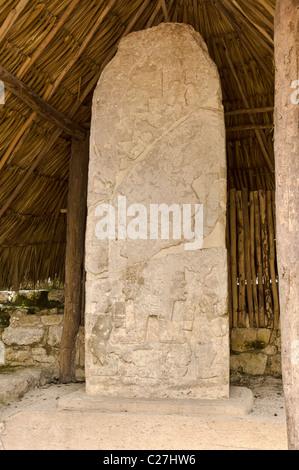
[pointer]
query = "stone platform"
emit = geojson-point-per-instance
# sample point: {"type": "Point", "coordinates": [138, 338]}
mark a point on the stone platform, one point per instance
{"type": "Point", "coordinates": [239, 403]}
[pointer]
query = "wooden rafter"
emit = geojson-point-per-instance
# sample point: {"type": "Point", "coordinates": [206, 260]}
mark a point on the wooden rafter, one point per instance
{"type": "Point", "coordinates": [50, 143]}
{"type": "Point", "coordinates": [236, 112]}
{"type": "Point", "coordinates": [21, 135]}
{"type": "Point", "coordinates": [76, 215]}
{"type": "Point", "coordinates": [25, 67]}
{"type": "Point", "coordinates": [40, 106]}
{"type": "Point", "coordinates": [249, 127]}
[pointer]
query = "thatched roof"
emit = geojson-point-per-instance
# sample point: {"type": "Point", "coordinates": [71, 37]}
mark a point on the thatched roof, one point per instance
{"type": "Point", "coordinates": [58, 48]}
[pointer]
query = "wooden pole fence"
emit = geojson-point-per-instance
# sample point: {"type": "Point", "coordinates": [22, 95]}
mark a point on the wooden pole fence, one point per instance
{"type": "Point", "coordinates": [252, 260]}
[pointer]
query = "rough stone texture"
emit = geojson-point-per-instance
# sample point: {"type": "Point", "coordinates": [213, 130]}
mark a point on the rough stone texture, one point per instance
{"type": "Point", "coordinates": [2, 353]}
{"type": "Point", "coordinates": [249, 363]}
{"type": "Point", "coordinates": [56, 295]}
{"type": "Point", "coordinates": [255, 351]}
{"type": "Point", "coordinates": [44, 429]}
{"type": "Point", "coordinates": [14, 385]}
{"type": "Point", "coordinates": [34, 340]}
{"type": "Point", "coordinates": [54, 335]}
{"type": "Point", "coordinates": [156, 314]}
{"type": "Point", "coordinates": [22, 335]}
{"type": "Point", "coordinates": [239, 403]}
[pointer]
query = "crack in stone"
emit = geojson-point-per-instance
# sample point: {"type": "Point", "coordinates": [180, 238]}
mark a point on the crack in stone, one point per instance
{"type": "Point", "coordinates": [142, 156]}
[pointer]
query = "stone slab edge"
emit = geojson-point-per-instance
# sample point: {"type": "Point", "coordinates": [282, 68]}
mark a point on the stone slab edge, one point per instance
{"type": "Point", "coordinates": [14, 385]}
{"type": "Point", "coordinates": [239, 403]}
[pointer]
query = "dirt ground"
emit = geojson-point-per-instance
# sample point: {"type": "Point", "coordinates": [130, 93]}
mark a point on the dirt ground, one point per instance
{"type": "Point", "coordinates": [23, 426]}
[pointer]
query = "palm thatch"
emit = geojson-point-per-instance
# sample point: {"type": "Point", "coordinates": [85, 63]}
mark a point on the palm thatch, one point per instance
{"type": "Point", "coordinates": [58, 48]}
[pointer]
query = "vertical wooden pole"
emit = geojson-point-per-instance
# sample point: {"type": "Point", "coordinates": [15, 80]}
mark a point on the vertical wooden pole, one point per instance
{"type": "Point", "coordinates": [286, 147]}
{"type": "Point", "coordinates": [233, 256]}
{"type": "Point", "coordinates": [265, 260]}
{"type": "Point", "coordinates": [252, 259]}
{"type": "Point", "coordinates": [259, 266]}
{"type": "Point", "coordinates": [247, 257]}
{"type": "Point", "coordinates": [76, 219]}
{"type": "Point", "coordinates": [241, 261]}
{"type": "Point", "coordinates": [272, 261]}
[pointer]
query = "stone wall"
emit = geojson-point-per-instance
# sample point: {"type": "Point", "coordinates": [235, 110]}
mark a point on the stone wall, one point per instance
{"type": "Point", "coordinates": [31, 325]}
{"type": "Point", "coordinates": [255, 351]}
{"type": "Point", "coordinates": [31, 337]}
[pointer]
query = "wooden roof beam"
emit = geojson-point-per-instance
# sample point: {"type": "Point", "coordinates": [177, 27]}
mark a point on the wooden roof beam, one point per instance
{"type": "Point", "coordinates": [52, 140]}
{"type": "Point", "coordinates": [237, 112]}
{"type": "Point", "coordinates": [23, 132]}
{"type": "Point", "coordinates": [41, 107]}
{"type": "Point", "coordinates": [249, 127]}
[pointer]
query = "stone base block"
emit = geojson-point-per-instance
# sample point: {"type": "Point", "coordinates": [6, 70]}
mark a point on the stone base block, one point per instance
{"type": "Point", "coordinates": [239, 403]}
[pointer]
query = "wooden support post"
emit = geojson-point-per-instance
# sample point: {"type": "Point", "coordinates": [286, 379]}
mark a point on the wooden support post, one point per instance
{"type": "Point", "coordinates": [286, 147]}
{"type": "Point", "coordinates": [76, 218]}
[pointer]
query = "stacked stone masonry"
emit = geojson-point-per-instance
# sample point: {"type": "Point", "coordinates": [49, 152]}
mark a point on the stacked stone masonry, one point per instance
{"type": "Point", "coordinates": [33, 340]}
{"type": "Point", "coordinates": [255, 351]}
{"type": "Point", "coordinates": [30, 334]}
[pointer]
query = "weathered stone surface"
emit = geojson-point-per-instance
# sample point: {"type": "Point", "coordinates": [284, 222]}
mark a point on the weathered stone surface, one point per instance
{"type": "Point", "coordinates": [264, 335]}
{"type": "Point", "coordinates": [18, 357]}
{"type": "Point", "coordinates": [40, 355]}
{"type": "Point", "coordinates": [22, 335]}
{"type": "Point", "coordinates": [2, 353]}
{"type": "Point", "coordinates": [156, 314]}
{"type": "Point", "coordinates": [19, 319]}
{"type": "Point", "coordinates": [54, 335]}
{"type": "Point", "coordinates": [49, 320]}
{"type": "Point", "coordinates": [247, 339]}
{"type": "Point", "coordinates": [14, 385]}
{"type": "Point", "coordinates": [49, 311]}
{"type": "Point", "coordinates": [274, 366]}
{"type": "Point", "coordinates": [6, 296]}
{"type": "Point", "coordinates": [243, 339]}
{"type": "Point", "coordinates": [249, 363]}
{"type": "Point", "coordinates": [56, 295]}
{"type": "Point", "coordinates": [270, 350]}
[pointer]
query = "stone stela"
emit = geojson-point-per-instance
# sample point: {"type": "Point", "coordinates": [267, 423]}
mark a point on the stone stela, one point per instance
{"type": "Point", "coordinates": [157, 314]}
